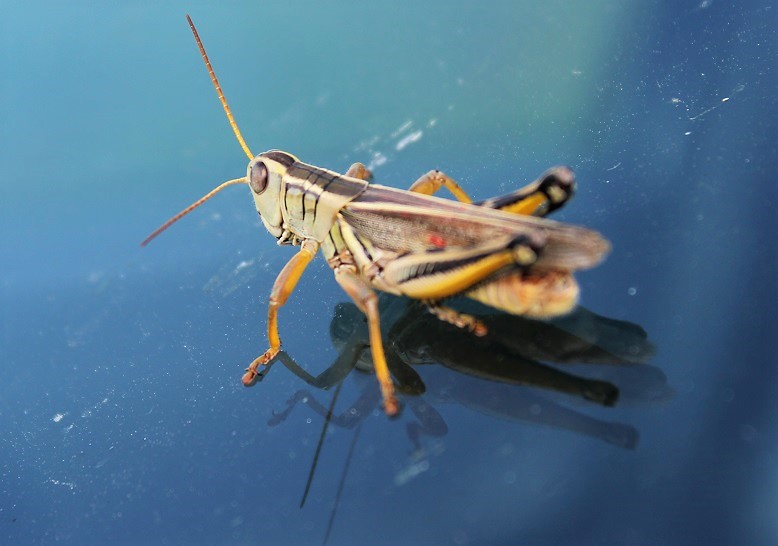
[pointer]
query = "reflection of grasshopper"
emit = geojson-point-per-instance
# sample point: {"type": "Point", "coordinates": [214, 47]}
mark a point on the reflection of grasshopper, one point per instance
{"type": "Point", "coordinates": [413, 244]}
{"type": "Point", "coordinates": [488, 368]}
{"type": "Point", "coordinates": [507, 355]}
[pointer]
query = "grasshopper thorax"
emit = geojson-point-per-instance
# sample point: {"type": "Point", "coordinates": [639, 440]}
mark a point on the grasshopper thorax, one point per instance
{"type": "Point", "coordinates": [265, 175]}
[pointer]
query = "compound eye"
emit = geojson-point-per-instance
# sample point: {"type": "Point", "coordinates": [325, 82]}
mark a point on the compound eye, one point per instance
{"type": "Point", "coordinates": [258, 177]}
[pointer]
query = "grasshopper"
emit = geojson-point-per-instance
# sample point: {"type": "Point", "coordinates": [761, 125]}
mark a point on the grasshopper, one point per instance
{"type": "Point", "coordinates": [498, 251]}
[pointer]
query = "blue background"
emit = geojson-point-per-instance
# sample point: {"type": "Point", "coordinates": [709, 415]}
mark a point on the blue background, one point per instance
{"type": "Point", "coordinates": [122, 418]}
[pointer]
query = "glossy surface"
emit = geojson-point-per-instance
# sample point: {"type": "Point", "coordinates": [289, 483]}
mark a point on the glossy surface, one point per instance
{"type": "Point", "coordinates": [122, 415]}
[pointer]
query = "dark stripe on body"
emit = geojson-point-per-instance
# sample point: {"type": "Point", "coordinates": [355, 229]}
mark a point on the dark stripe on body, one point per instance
{"type": "Point", "coordinates": [281, 157]}
{"type": "Point", "coordinates": [295, 175]}
{"type": "Point", "coordinates": [305, 191]}
{"type": "Point", "coordinates": [438, 267]}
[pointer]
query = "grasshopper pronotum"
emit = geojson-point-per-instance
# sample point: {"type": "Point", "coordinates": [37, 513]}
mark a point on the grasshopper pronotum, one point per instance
{"type": "Point", "coordinates": [496, 251]}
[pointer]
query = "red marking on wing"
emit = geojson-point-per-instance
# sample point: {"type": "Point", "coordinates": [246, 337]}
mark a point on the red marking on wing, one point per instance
{"type": "Point", "coordinates": [437, 241]}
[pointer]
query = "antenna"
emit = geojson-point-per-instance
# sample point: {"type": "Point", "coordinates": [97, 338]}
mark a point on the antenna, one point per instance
{"type": "Point", "coordinates": [191, 207]}
{"type": "Point", "coordinates": [235, 130]}
{"type": "Point", "coordinates": [219, 92]}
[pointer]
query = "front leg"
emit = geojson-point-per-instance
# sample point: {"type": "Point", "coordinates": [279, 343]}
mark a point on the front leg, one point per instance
{"type": "Point", "coordinates": [282, 289]}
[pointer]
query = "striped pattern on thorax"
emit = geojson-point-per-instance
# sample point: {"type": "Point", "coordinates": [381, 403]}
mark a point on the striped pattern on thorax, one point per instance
{"type": "Point", "coordinates": [312, 197]}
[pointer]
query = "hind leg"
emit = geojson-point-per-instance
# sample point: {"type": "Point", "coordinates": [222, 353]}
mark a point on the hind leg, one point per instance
{"type": "Point", "coordinates": [551, 191]}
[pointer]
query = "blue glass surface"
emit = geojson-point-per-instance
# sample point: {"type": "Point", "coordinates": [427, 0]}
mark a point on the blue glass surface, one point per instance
{"type": "Point", "coordinates": [122, 415]}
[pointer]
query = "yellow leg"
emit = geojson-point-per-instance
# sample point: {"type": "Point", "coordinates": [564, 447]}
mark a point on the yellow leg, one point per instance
{"type": "Point", "coordinates": [367, 301]}
{"type": "Point", "coordinates": [530, 205]}
{"type": "Point", "coordinates": [282, 289]}
{"type": "Point", "coordinates": [450, 271]}
{"type": "Point", "coordinates": [434, 180]}
{"type": "Point", "coordinates": [358, 170]}
{"type": "Point", "coordinates": [546, 194]}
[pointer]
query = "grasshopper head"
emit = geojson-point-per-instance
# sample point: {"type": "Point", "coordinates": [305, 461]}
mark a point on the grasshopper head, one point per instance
{"type": "Point", "coordinates": [265, 175]}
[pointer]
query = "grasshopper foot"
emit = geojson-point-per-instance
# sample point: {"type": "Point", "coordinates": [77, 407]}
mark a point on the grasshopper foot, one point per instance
{"type": "Point", "coordinates": [250, 377]}
{"type": "Point", "coordinates": [391, 406]}
{"type": "Point", "coordinates": [460, 320]}
{"type": "Point", "coordinates": [253, 374]}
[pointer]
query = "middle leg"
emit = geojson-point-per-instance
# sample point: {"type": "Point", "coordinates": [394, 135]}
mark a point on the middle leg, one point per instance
{"type": "Point", "coordinates": [367, 302]}
{"type": "Point", "coordinates": [431, 182]}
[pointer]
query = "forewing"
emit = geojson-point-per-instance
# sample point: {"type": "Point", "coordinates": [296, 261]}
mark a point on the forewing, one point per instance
{"type": "Point", "coordinates": [403, 221]}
